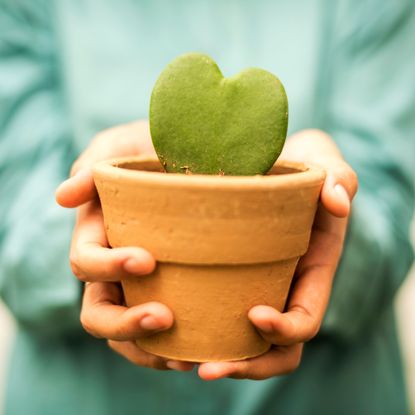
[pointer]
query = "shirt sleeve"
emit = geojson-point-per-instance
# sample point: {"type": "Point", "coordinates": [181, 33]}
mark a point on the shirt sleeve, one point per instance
{"type": "Point", "coordinates": [369, 108]}
{"type": "Point", "coordinates": [35, 155]}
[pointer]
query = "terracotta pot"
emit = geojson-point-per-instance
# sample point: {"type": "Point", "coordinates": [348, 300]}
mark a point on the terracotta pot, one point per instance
{"type": "Point", "coordinates": [223, 244]}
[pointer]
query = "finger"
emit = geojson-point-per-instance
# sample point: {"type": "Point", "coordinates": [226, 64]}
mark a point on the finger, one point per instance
{"type": "Point", "coordinates": [338, 189]}
{"type": "Point", "coordinates": [311, 287]}
{"type": "Point", "coordinates": [180, 365]}
{"type": "Point", "coordinates": [104, 317]}
{"type": "Point", "coordinates": [76, 190]}
{"type": "Point", "coordinates": [134, 354]}
{"type": "Point", "coordinates": [92, 260]}
{"type": "Point", "coordinates": [316, 147]}
{"type": "Point", "coordinates": [278, 361]}
{"type": "Point", "coordinates": [284, 329]}
{"type": "Point", "coordinates": [315, 271]}
{"type": "Point", "coordinates": [79, 188]}
{"type": "Point", "coordinates": [124, 140]}
{"type": "Point", "coordinates": [130, 351]}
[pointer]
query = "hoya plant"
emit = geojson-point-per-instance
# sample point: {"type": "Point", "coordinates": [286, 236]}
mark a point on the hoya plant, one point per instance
{"type": "Point", "coordinates": [204, 123]}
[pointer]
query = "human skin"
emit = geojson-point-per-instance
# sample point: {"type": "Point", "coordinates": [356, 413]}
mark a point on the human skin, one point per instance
{"type": "Point", "coordinates": [101, 268]}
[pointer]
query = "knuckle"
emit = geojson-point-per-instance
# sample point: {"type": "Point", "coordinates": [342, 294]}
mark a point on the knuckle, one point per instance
{"type": "Point", "coordinates": [310, 325]}
{"type": "Point", "coordinates": [76, 166]}
{"type": "Point", "coordinates": [73, 261]}
{"type": "Point", "coordinates": [292, 367]}
{"type": "Point", "coordinates": [82, 277]}
{"type": "Point", "coordinates": [87, 324]}
{"type": "Point", "coordinates": [245, 371]}
{"type": "Point", "coordinates": [120, 332]}
{"type": "Point", "coordinates": [76, 267]}
{"type": "Point", "coordinates": [312, 332]}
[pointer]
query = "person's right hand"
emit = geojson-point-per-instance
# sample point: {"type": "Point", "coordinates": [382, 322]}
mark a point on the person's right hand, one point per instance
{"type": "Point", "coordinates": [103, 313]}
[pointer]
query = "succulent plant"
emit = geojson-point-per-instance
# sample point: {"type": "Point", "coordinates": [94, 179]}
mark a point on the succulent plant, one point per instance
{"type": "Point", "coordinates": [204, 123]}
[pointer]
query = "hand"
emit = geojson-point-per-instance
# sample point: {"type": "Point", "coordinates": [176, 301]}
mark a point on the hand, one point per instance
{"type": "Point", "coordinates": [310, 293]}
{"type": "Point", "coordinates": [103, 313]}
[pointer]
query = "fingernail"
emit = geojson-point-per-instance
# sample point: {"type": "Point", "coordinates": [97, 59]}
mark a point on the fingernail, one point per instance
{"type": "Point", "coordinates": [342, 193]}
{"type": "Point", "coordinates": [143, 266]}
{"type": "Point", "coordinates": [132, 266]}
{"type": "Point", "coordinates": [150, 323]}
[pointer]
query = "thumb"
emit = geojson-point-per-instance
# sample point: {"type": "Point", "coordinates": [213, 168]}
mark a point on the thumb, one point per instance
{"type": "Point", "coordinates": [316, 147]}
{"type": "Point", "coordinates": [76, 190]}
{"type": "Point", "coordinates": [123, 140]}
{"type": "Point", "coordinates": [339, 188]}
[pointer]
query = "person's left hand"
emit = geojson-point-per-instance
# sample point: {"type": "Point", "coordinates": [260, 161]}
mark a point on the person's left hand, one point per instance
{"type": "Point", "coordinates": [310, 292]}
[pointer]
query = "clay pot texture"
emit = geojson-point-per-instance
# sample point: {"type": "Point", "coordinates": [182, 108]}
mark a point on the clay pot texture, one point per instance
{"type": "Point", "coordinates": [223, 244]}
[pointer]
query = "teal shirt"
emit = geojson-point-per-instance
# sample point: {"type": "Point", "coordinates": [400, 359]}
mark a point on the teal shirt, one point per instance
{"type": "Point", "coordinates": [69, 69]}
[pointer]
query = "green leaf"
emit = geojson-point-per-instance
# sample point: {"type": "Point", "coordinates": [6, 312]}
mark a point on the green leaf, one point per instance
{"type": "Point", "coordinates": [202, 122]}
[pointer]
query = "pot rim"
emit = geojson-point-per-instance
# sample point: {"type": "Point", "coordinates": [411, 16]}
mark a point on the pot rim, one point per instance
{"type": "Point", "coordinates": [305, 175]}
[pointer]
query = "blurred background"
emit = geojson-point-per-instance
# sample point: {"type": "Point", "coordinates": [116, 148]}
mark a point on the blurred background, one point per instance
{"type": "Point", "coordinates": [404, 305]}
{"type": "Point", "coordinates": [103, 86]}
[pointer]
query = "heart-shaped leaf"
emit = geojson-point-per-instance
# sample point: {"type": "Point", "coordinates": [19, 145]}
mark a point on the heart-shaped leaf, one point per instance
{"type": "Point", "coordinates": [204, 123]}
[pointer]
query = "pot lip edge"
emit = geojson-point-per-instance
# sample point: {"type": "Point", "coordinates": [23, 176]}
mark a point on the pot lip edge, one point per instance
{"type": "Point", "coordinates": [311, 175]}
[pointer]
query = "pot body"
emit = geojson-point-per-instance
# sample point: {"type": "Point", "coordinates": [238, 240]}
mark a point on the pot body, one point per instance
{"type": "Point", "coordinates": [223, 245]}
{"type": "Point", "coordinates": [210, 305]}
